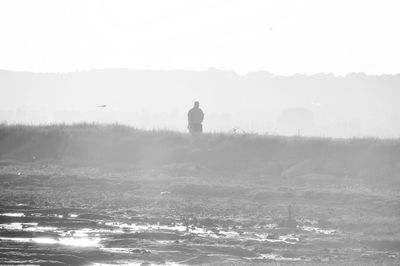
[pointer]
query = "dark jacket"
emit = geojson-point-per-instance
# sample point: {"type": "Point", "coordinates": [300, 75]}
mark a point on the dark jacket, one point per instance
{"type": "Point", "coordinates": [195, 116]}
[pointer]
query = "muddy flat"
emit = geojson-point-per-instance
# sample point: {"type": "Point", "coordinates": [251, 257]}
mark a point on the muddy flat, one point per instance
{"type": "Point", "coordinates": [72, 215]}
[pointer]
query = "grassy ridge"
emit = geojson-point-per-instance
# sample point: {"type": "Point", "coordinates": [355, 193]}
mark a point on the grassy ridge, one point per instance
{"type": "Point", "coordinates": [219, 153]}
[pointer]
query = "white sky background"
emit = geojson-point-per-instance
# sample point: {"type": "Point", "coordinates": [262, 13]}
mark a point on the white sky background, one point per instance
{"type": "Point", "coordinates": [281, 36]}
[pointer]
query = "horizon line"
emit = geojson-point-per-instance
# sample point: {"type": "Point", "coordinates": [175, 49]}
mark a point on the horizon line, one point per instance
{"type": "Point", "coordinates": [210, 69]}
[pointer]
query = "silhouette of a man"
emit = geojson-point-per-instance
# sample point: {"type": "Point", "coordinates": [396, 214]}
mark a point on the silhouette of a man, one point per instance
{"type": "Point", "coordinates": [195, 118]}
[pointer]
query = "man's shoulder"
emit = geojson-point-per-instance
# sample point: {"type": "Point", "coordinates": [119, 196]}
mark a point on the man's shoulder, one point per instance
{"type": "Point", "coordinates": [196, 111]}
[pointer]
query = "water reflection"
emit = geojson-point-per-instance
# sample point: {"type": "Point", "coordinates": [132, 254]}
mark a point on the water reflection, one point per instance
{"type": "Point", "coordinates": [318, 230]}
{"type": "Point", "coordinates": [205, 232]}
{"type": "Point", "coordinates": [68, 241]}
{"type": "Point", "coordinates": [276, 257]}
{"type": "Point", "coordinates": [137, 263]}
{"type": "Point", "coordinates": [29, 227]}
{"type": "Point", "coordinates": [13, 214]}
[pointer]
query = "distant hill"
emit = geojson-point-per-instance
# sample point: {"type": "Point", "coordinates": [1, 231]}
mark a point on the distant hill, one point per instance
{"type": "Point", "coordinates": [353, 105]}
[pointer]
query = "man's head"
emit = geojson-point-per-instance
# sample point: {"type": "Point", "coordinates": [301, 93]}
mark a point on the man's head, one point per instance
{"type": "Point", "coordinates": [196, 104]}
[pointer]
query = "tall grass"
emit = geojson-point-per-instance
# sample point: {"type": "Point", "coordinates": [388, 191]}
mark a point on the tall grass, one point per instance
{"type": "Point", "coordinates": [114, 143]}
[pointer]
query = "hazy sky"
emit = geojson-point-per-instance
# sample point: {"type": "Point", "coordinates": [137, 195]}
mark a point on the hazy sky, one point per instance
{"type": "Point", "coordinates": [281, 36]}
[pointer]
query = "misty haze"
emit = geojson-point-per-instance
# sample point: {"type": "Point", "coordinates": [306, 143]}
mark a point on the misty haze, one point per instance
{"type": "Point", "coordinates": [209, 132]}
{"type": "Point", "coordinates": [355, 105]}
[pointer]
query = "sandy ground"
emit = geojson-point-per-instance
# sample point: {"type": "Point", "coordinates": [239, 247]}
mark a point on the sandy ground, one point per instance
{"type": "Point", "coordinates": [63, 214]}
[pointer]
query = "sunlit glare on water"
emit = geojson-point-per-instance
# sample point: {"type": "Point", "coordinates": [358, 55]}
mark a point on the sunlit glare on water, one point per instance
{"type": "Point", "coordinates": [68, 241]}
{"type": "Point", "coordinates": [13, 214]}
